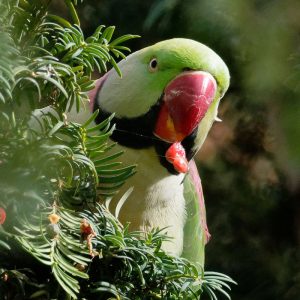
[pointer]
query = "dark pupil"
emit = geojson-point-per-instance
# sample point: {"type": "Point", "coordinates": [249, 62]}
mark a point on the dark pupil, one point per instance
{"type": "Point", "coordinates": [153, 63]}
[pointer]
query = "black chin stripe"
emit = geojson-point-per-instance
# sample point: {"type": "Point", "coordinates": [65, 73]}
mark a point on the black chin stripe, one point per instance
{"type": "Point", "coordinates": [188, 143]}
{"type": "Point", "coordinates": [161, 148]}
{"type": "Point", "coordinates": [135, 132]}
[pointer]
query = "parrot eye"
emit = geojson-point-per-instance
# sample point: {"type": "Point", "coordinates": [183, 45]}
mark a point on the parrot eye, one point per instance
{"type": "Point", "coordinates": [153, 65]}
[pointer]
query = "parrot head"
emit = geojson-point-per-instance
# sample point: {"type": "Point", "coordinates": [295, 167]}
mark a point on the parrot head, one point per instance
{"type": "Point", "coordinates": [168, 94]}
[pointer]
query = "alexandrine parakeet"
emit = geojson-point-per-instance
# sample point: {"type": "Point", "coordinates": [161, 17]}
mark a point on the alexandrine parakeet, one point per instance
{"type": "Point", "coordinates": [165, 103]}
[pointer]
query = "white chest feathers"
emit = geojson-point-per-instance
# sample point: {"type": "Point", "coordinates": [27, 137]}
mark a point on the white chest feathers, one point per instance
{"type": "Point", "coordinates": [156, 200]}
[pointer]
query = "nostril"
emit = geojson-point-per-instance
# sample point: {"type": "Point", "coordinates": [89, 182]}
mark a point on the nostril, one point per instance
{"type": "Point", "coordinates": [187, 69]}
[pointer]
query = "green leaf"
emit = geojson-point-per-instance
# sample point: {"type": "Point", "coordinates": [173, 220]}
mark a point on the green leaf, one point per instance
{"type": "Point", "coordinates": [116, 67]}
{"type": "Point", "coordinates": [73, 12]}
{"type": "Point", "coordinates": [101, 125]}
{"type": "Point", "coordinates": [103, 286]}
{"type": "Point", "coordinates": [91, 119]}
{"type": "Point", "coordinates": [118, 53]}
{"type": "Point", "coordinates": [63, 283]}
{"type": "Point", "coordinates": [4, 245]}
{"type": "Point", "coordinates": [53, 81]}
{"type": "Point", "coordinates": [108, 158]}
{"type": "Point", "coordinates": [108, 33]}
{"type": "Point", "coordinates": [123, 39]}
{"type": "Point", "coordinates": [57, 19]}
{"type": "Point", "coordinates": [56, 128]}
{"type": "Point", "coordinates": [69, 268]}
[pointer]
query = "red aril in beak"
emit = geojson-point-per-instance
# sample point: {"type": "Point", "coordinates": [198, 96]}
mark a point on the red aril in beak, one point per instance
{"type": "Point", "coordinates": [185, 103]}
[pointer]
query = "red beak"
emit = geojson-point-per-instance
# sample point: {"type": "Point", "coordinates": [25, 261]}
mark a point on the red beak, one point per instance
{"type": "Point", "coordinates": [186, 101]}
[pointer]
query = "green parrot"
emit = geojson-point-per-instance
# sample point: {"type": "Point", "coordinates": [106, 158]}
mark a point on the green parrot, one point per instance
{"type": "Point", "coordinates": [165, 103]}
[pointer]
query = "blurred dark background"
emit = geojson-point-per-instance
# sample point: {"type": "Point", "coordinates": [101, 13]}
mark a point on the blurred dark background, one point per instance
{"type": "Point", "coordinates": [250, 163]}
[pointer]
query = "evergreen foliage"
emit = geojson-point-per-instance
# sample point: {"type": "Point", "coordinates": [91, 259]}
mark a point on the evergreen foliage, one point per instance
{"type": "Point", "coordinates": [53, 168]}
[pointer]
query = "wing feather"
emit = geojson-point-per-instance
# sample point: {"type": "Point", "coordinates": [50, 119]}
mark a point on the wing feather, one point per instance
{"type": "Point", "coordinates": [196, 233]}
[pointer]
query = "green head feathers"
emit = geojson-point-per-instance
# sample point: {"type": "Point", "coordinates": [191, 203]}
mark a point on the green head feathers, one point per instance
{"type": "Point", "coordinates": [177, 69]}
{"type": "Point", "coordinates": [146, 73]}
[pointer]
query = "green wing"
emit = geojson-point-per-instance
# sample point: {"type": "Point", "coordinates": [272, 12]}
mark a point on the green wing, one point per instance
{"type": "Point", "coordinates": [195, 229]}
